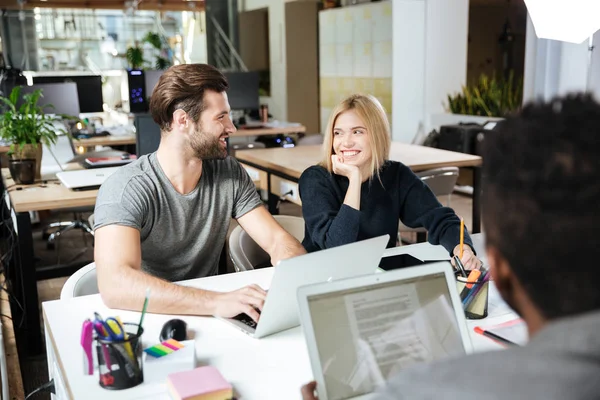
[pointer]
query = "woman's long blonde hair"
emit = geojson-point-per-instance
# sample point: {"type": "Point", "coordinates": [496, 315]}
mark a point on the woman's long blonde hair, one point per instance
{"type": "Point", "coordinates": [370, 110]}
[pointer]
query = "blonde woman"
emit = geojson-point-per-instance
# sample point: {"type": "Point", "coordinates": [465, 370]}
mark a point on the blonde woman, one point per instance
{"type": "Point", "coordinates": [357, 193]}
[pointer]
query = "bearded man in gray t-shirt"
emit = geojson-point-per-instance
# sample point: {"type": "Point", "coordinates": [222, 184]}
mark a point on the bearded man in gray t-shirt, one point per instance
{"type": "Point", "coordinates": [165, 217]}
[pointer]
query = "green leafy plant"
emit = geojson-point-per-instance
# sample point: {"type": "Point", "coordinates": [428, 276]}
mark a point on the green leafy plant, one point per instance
{"type": "Point", "coordinates": [27, 124]}
{"type": "Point", "coordinates": [156, 41]}
{"type": "Point", "coordinates": [153, 39]}
{"type": "Point", "coordinates": [490, 97]}
{"type": "Point", "coordinates": [135, 57]}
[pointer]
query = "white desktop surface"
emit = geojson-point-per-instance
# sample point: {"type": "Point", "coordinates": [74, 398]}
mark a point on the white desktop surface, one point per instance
{"type": "Point", "coordinates": [274, 367]}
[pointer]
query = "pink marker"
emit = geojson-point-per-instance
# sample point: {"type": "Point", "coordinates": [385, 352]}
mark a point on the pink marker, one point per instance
{"type": "Point", "coordinates": [86, 343]}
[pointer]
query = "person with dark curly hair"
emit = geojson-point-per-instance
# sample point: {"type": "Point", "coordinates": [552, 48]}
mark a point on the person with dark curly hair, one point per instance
{"type": "Point", "coordinates": [541, 208]}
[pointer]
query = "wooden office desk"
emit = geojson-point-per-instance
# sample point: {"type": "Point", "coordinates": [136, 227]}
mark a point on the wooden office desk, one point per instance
{"type": "Point", "coordinates": [120, 140]}
{"type": "Point", "coordinates": [124, 140]}
{"type": "Point", "coordinates": [22, 273]}
{"type": "Point", "coordinates": [110, 140]}
{"type": "Point", "coordinates": [289, 163]}
{"type": "Point", "coordinates": [114, 140]}
{"type": "Point", "coordinates": [274, 367]}
{"type": "Point", "coordinates": [51, 195]}
{"type": "Point", "coordinates": [285, 130]}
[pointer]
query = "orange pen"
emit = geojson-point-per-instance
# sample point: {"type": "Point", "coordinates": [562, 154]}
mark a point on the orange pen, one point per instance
{"type": "Point", "coordinates": [473, 277]}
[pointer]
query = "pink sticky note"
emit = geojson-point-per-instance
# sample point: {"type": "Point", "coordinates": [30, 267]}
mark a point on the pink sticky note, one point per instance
{"type": "Point", "coordinates": [197, 382]}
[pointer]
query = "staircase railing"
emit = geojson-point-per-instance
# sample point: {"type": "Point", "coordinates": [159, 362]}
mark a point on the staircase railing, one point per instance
{"type": "Point", "coordinates": [226, 56]}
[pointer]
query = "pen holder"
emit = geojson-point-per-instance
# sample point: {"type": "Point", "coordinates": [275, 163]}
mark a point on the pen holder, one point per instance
{"type": "Point", "coordinates": [120, 361]}
{"type": "Point", "coordinates": [475, 298]}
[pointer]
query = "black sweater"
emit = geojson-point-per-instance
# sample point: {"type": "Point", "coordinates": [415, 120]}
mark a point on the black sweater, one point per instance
{"type": "Point", "coordinates": [403, 196]}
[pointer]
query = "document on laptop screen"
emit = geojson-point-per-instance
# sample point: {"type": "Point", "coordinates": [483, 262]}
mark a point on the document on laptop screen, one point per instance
{"type": "Point", "coordinates": [365, 335]}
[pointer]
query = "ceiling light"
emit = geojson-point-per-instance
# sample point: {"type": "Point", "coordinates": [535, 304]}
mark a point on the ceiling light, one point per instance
{"type": "Point", "coordinates": [567, 20]}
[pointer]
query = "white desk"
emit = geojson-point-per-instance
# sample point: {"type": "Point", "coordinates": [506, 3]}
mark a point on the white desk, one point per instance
{"type": "Point", "coordinates": [274, 367]}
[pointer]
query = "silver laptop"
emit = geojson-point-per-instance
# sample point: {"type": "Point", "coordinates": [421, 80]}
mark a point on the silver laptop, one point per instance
{"type": "Point", "coordinates": [280, 310]}
{"type": "Point", "coordinates": [361, 331]}
{"type": "Point", "coordinates": [85, 179]}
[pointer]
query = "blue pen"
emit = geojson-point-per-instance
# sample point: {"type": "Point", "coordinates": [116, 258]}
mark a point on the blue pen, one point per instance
{"type": "Point", "coordinates": [475, 290]}
{"type": "Point", "coordinates": [113, 331]}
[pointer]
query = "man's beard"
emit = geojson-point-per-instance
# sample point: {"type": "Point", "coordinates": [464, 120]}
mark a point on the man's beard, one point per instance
{"type": "Point", "coordinates": [207, 146]}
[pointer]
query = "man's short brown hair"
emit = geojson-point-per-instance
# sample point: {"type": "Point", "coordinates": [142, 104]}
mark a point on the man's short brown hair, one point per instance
{"type": "Point", "coordinates": [182, 87]}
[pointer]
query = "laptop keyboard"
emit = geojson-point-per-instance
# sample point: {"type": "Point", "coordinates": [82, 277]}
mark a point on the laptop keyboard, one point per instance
{"type": "Point", "coordinates": [245, 319]}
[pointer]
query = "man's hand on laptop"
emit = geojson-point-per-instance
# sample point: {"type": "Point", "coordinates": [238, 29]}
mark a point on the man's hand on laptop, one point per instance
{"type": "Point", "coordinates": [246, 300]}
{"type": "Point", "coordinates": [308, 391]}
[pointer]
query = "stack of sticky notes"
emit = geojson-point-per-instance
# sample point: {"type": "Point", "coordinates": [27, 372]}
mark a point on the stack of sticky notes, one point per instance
{"type": "Point", "coordinates": [158, 368]}
{"type": "Point", "coordinates": [204, 383]}
{"type": "Point", "coordinates": [164, 348]}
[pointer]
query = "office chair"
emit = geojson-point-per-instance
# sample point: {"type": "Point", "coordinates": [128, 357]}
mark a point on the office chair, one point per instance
{"type": "Point", "coordinates": [441, 181]}
{"type": "Point", "coordinates": [246, 254]}
{"type": "Point", "coordinates": [81, 283]}
{"type": "Point", "coordinates": [54, 158]}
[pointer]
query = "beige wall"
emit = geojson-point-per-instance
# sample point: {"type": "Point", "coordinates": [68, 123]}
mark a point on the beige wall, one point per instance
{"type": "Point", "coordinates": [301, 21]}
{"type": "Point", "coordinates": [254, 38]}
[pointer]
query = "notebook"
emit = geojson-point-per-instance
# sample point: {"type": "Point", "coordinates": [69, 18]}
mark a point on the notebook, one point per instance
{"type": "Point", "coordinates": [113, 161]}
{"type": "Point", "coordinates": [361, 331]}
{"type": "Point", "coordinates": [203, 383]}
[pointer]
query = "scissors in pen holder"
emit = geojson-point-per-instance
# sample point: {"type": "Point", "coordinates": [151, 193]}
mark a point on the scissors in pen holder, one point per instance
{"type": "Point", "coordinates": [111, 332]}
{"type": "Point", "coordinates": [460, 269]}
{"type": "Point", "coordinates": [109, 328]}
{"type": "Point", "coordinates": [461, 272]}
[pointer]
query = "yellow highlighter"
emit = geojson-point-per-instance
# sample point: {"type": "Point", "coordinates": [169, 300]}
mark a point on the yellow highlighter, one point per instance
{"type": "Point", "coordinates": [117, 329]}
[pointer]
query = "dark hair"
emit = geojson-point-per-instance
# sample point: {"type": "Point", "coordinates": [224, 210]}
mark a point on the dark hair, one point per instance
{"type": "Point", "coordinates": [541, 201]}
{"type": "Point", "coordinates": [182, 87]}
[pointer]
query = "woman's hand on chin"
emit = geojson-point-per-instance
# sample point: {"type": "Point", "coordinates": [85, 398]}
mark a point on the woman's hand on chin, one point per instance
{"type": "Point", "coordinates": [343, 169]}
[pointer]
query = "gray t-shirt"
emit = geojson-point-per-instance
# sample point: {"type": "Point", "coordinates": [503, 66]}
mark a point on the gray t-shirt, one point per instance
{"type": "Point", "coordinates": [182, 235]}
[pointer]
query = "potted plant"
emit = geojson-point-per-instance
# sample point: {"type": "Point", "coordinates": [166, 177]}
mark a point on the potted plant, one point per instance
{"type": "Point", "coordinates": [485, 100]}
{"type": "Point", "coordinates": [26, 127]}
{"type": "Point", "coordinates": [488, 97]}
{"type": "Point", "coordinates": [163, 59]}
{"type": "Point", "coordinates": [135, 57]}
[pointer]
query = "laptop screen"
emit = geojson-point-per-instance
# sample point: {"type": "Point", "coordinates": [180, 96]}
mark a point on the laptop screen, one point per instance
{"type": "Point", "coordinates": [367, 334]}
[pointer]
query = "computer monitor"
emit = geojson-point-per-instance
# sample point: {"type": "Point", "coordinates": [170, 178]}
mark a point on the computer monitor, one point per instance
{"type": "Point", "coordinates": [243, 90]}
{"type": "Point", "coordinates": [147, 133]}
{"type": "Point", "coordinates": [151, 77]}
{"type": "Point", "coordinates": [89, 90]}
{"type": "Point", "coordinates": [63, 96]}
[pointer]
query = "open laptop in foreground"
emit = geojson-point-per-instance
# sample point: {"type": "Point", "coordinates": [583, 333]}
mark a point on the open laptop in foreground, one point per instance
{"type": "Point", "coordinates": [85, 179]}
{"type": "Point", "coordinates": [361, 331]}
{"type": "Point", "coordinates": [280, 310]}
